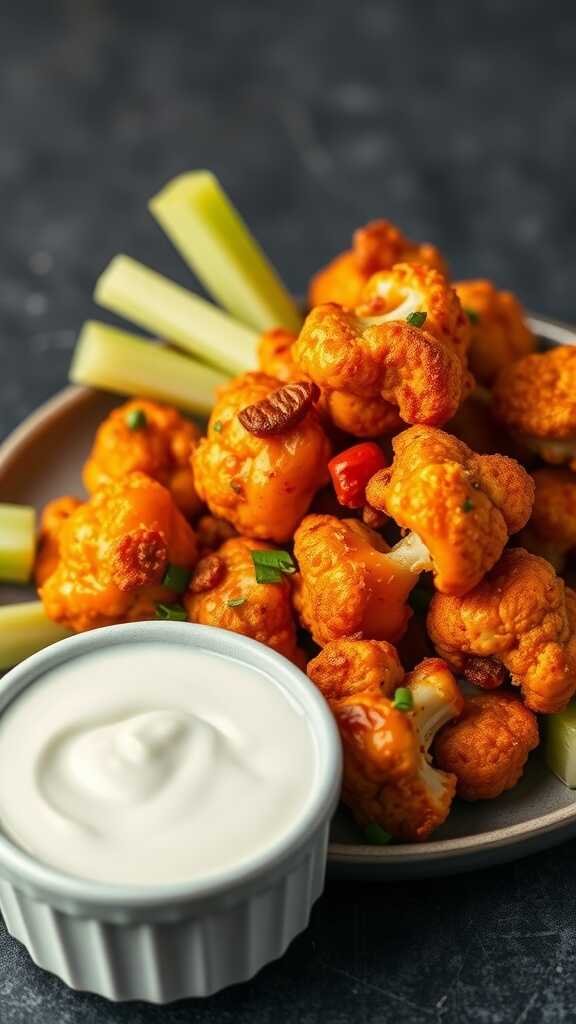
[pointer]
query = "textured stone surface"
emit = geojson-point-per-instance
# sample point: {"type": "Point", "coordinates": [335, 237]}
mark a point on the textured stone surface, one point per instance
{"type": "Point", "coordinates": [459, 124]}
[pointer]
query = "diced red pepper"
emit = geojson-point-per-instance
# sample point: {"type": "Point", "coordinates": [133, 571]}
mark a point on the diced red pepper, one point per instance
{"type": "Point", "coordinates": [352, 469]}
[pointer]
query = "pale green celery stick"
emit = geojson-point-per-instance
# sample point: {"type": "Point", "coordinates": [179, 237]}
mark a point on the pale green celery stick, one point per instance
{"type": "Point", "coordinates": [24, 629]}
{"type": "Point", "coordinates": [108, 358]}
{"type": "Point", "coordinates": [215, 242]}
{"type": "Point", "coordinates": [17, 542]}
{"type": "Point", "coordinates": [176, 315]}
{"type": "Point", "coordinates": [560, 744]}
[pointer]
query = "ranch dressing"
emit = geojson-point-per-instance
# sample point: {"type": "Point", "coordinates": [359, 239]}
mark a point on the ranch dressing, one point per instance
{"type": "Point", "coordinates": [152, 763]}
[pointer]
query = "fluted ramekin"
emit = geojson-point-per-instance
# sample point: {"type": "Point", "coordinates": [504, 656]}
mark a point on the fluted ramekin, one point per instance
{"type": "Point", "coordinates": [166, 942]}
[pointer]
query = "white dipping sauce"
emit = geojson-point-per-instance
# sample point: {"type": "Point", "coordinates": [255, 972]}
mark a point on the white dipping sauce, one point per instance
{"type": "Point", "coordinates": [149, 763]}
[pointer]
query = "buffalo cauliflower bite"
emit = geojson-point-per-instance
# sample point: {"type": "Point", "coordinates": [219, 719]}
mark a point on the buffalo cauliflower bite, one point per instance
{"type": "Point", "coordinates": [375, 372]}
{"type": "Point", "coordinates": [487, 746]}
{"type": "Point", "coordinates": [389, 778]}
{"type": "Point", "coordinates": [521, 617]}
{"type": "Point", "coordinates": [377, 246]}
{"type": "Point", "coordinates": [113, 553]}
{"type": "Point", "coordinates": [223, 592]}
{"type": "Point", "coordinates": [347, 584]}
{"type": "Point", "coordinates": [461, 507]}
{"type": "Point", "coordinates": [551, 531]}
{"type": "Point", "coordinates": [275, 354]}
{"type": "Point", "coordinates": [535, 399]}
{"type": "Point", "coordinates": [53, 518]}
{"type": "Point", "coordinates": [499, 333]}
{"type": "Point", "coordinates": [261, 485]}
{"type": "Point", "coordinates": [146, 437]}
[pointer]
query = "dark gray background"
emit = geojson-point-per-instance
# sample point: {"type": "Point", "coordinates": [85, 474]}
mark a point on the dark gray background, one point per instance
{"type": "Point", "coordinates": [458, 120]}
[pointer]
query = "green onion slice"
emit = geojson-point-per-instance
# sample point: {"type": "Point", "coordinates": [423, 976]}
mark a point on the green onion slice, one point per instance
{"type": "Point", "coordinates": [467, 505]}
{"type": "Point", "coordinates": [472, 315]}
{"type": "Point", "coordinates": [403, 700]}
{"type": "Point", "coordinates": [235, 602]}
{"type": "Point", "coordinates": [176, 578]}
{"type": "Point", "coordinates": [170, 612]}
{"type": "Point", "coordinates": [271, 565]}
{"type": "Point", "coordinates": [417, 319]}
{"type": "Point", "coordinates": [136, 419]}
{"type": "Point", "coordinates": [377, 835]}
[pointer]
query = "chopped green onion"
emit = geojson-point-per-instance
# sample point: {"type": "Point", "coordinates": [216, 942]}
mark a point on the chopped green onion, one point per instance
{"type": "Point", "coordinates": [136, 419]}
{"type": "Point", "coordinates": [419, 600]}
{"type": "Point", "coordinates": [235, 602]}
{"type": "Point", "coordinates": [17, 542]}
{"type": "Point", "coordinates": [171, 612]}
{"type": "Point", "coordinates": [403, 699]}
{"type": "Point", "coordinates": [417, 319]}
{"type": "Point", "coordinates": [176, 578]}
{"type": "Point", "coordinates": [174, 314]}
{"type": "Point", "coordinates": [114, 360]}
{"type": "Point", "coordinates": [215, 242]}
{"type": "Point", "coordinates": [377, 835]}
{"type": "Point", "coordinates": [472, 315]}
{"type": "Point", "coordinates": [217, 427]}
{"type": "Point", "coordinates": [271, 565]}
{"type": "Point", "coordinates": [24, 629]}
{"type": "Point", "coordinates": [467, 505]}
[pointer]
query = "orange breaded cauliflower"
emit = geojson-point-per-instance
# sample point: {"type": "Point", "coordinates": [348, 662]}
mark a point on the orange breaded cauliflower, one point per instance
{"type": "Point", "coordinates": [53, 518]}
{"type": "Point", "coordinates": [223, 592]}
{"type": "Point", "coordinates": [520, 618]}
{"type": "Point", "coordinates": [261, 485]}
{"type": "Point", "coordinates": [377, 246]}
{"type": "Point", "coordinates": [114, 551]}
{"type": "Point", "coordinates": [535, 399]}
{"type": "Point", "coordinates": [551, 531]}
{"type": "Point", "coordinates": [461, 507]}
{"type": "Point", "coordinates": [389, 778]}
{"type": "Point", "coordinates": [275, 354]}
{"type": "Point", "coordinates": [487, 746]}
{"type": "Point", "coordinates": [499, 333]}
{"type": "Point", "coordinates": [375, 373]}
{"type": "Point", "coordinates": [146, 437]}
{"type": "Point", "coordinates": [347, 584]}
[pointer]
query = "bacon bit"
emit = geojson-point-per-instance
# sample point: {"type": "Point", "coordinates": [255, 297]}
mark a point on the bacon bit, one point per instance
{"type": "Point", "coordinates": [487, 673]}
{"type": "Point", "coordinates": [140, 560]}
{"type": "Point", "coordinates": [281, 411]}
{"type": "Point", "coordinates": [208, 574]}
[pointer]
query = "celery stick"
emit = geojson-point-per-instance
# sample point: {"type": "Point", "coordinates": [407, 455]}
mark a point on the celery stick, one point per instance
{"type": "Point", "coordinates": [111, 359]}
{"type": "Point", "coordinates": [24, 629]}
{"type": "Point", "coordinates": [176, 315]}
{"type": "Point", "coordinates": [17, 542]}
{"type": "Point", "coordinates": [215, 242]}
{"type": "Point", "coordinates": [560, 745]}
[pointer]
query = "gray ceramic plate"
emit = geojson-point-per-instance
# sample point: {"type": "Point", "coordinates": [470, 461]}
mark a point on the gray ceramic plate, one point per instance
{"type": "Point", "coordinates": [42, 459]}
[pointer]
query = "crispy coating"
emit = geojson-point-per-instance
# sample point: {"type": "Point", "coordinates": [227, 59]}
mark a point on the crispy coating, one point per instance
{"type": "Point", "coordinates": [522, 615]}
{"type": "Point", "coordinates": [53, 518]}
{"type": "Point", "coordinates": [388, 775]}
{"type": "Point", "coordinates": [346, 585]}
{"type": "Point", "coordinates": [266, 612]}
{"type": "Point", "coordinates": [461, 505]}
{"type": "Point", "coordinates": [113, 553]}
{"type": "Point", "coordinates": [275, 354]}
{"type": "Point", "coordinates": [372, 372]}
{"type": "Point", "coordinates": [161, 448]}
{"type": "Point", "coordinates": [535, 398]}
{"type": "Point", "coordinates": [377, 246]}
{"type": "Point", "coordinates": [487, 746]}
{"type": "Point", "coordinates": [551, 531]}
{"type": "Point", "coordinates": [262, 486]}
{"type": "Point", "coordinates": [499, 333]}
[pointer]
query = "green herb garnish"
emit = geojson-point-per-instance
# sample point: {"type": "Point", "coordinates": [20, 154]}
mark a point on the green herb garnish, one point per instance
{"type": "Point", "coordinates": [467, 505]}
{"type": "Point", "coordinates": [417, 319]}
{"type": "Point", "coordinates": [170, 612]}
{"type": "Point", "coordinates": [403, 699]}
{"type": "Point", "coordinates": [472, 316]}
{"type": "Point", "coordinates": [176, 578]}
{"type": "Point", "coordinates": [270, 565]}
{"type": "Point", "coordinates": [136, 419]}
{"type": "Point", "coordinates": [217, 426]}
{"type": "Point", "coordinates": [377, 835]}
{"type": "Point", "coordinates": [235, 602]}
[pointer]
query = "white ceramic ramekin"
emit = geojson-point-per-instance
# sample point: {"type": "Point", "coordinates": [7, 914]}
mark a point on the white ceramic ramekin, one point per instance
{"type": "Point", "coordinates": [167, 942]}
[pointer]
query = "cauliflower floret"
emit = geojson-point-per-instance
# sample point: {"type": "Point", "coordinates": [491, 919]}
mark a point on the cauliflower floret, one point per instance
{"type": "Point", "coordinates": [487, 746]}
{"type": "Point", "coordinates": [499, 332]}
{"type": "Point", "coordinates": [146, 437]}
{"type": "Point", "coordinates": [535, 398]}
{"type": "Point", "coordinates": [377, 246]}
{"type": "Point", "coordinates": [113, 553]}
{"type": "Point", "coordinates": [223, 592]}
{"type": "Point", "coordinates": [551, 531]}
{"type": "Point", "coordinates": [373, 370]}
{"type": "Point", "coordinates": [522, 617]}
{"type": "Point", "coordinates": [261, 485]}
{"type": "Point", "coordinates": [275, 354]}
{"type": "Point", "coordinates": [53, 518]}
{"type": "Point", "coordinates": [461, 507]}
{"type": "Point", "coordinates": [347, 584]}
{"type": "Point", "coordinates": [389, 778]}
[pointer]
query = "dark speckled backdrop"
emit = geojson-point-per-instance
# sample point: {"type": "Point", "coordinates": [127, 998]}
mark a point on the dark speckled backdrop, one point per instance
{"type": "Point", "coordinates": [456, 119]}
